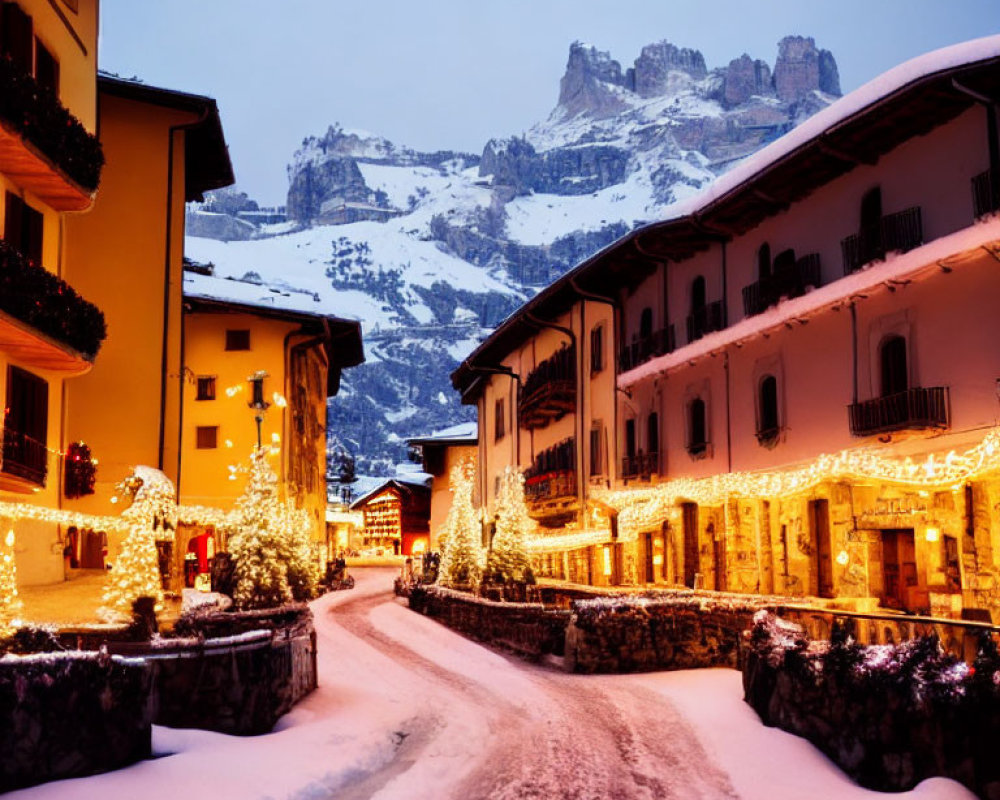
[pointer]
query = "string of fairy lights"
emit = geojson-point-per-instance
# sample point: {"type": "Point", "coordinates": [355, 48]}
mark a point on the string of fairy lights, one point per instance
{"type": "Point", "coordinates": [640, 508]}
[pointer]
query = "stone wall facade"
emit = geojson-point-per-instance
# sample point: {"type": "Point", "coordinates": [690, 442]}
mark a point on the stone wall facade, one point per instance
{"type": "Point", "coordinates": [69, 715]}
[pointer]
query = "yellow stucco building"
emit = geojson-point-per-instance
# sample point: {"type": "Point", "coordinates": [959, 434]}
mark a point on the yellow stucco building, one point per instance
{"type": "Point", "coordinates": [257, 374]}
{"type": "Point", "coordinates": [50, 167]}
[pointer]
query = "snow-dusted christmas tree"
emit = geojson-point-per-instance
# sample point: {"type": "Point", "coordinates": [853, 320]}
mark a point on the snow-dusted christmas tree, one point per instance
{"type": "Point", "coordinates": [151, 515]}
{"type": "Point", "coordinates": [10, 603]}
{"type": "Point", "coordinates": [269, 544]}
{"type": "Point", "coordinates": [461, 552]}
{"type": "Point", "coordinates": [508, 558]}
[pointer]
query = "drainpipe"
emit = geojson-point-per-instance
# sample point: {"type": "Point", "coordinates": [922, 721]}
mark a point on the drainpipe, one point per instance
{"type": "Point", "coordinates": [854, 353]}
{"type": "Point", "coordinates": [167, 257]}
{"type": "Point", "coordinates": [729, 427]}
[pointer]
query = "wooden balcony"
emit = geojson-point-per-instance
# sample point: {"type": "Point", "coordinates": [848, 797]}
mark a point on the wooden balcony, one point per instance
{"type": "Point", "coordinates": [551, 496]}
{"type": "Point", "coordinates": [898, 232]}
{"type": "Point", "coordinates": [914, 409]}
{"type": "Point", "coordinates": [761, 295]}
{"type": "Point", "coordinates": [704, 320]}
{"type": "Point", "coordinates": [985, 195]}
{"type": "Point", "coordinates": [641, 465]}
{"type": "Point", "coordinates": [25, 462]}
{"type": "Point", "coordinates": [44, 323]}
{"type": "Point", "coordinates": [549, 391]}
{"type": "Point", "coordinates": [643, 349]}
{"type": "Point", "coordinates": [43, 147]}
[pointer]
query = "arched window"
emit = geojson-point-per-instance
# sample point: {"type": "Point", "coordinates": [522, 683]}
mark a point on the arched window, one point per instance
{"type": "Point", "coordinates": [892, 355]}
{"type": "Point", "coordinates": [646, 323]}
{"type": "Point", "coordinates": [767, 409]}
{"type": "Point", "coordinates": [697, 429]}
{"type": "Point", "coordinates": [764, 262]}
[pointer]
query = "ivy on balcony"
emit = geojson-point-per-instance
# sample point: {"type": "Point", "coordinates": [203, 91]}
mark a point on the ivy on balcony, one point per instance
{"type": "Point", "coordinates": [47, 303]}
{"type": "Point", "coordinates": [37, 115]}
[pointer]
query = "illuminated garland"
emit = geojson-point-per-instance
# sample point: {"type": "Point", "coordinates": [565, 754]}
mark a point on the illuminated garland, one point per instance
{"type": "Point", "coordinates": [641, 507]}
{"type": "Point", "coordinates": [567, 541]}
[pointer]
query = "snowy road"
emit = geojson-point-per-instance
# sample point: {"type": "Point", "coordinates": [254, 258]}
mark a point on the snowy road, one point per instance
{"type": "Point", "coordinates": [408, 709]}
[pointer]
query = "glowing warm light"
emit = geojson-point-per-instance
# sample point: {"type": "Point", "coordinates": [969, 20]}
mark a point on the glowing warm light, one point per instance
{"type": "Point", "coordinates": [276, 438]}
{"type": "Point", "coordinates": [10, 538]}
{"type": "Point", "coordinates": [658, 560]}
{"type": "Point", "coordinates": [229, 442]}
{"type": "Point", "coordinates": [842, 558]}
{"type": "Point", "coordinates": [932, 534]}
{"type": "Point", "coordinates": [279, 400]}
{"type": "Point", "coordinates": [607, 561]}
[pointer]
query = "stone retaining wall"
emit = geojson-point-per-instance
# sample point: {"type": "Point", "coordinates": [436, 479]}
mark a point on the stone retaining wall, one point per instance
{"type": "Point", "coordinates": [637, 634]}
{"type": "Point", "coordinates": [526, 628]}
{"type": "Point", "coordinates": [889, 715]}
{"type": "Point", "coordinates": [71, 714]}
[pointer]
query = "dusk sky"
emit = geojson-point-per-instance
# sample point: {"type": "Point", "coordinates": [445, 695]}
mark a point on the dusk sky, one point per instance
{"type": "Point", "coordinates": [450, 74]}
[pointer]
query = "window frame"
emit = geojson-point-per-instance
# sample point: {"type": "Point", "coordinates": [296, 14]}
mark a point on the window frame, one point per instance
{"type": "Point", "coordinates": [206, 382]}
{"type": "Point", "coordinates": [201, 431]}
{"type": "Point", "coordinates": [597, 348]}
{"type": "Point", "coordinates": [235, 340]}
{"type": "Point", "coordinates": [499, 418]}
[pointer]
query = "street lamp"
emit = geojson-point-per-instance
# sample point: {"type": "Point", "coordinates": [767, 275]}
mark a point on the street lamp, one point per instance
{"type": "Point", "coordinates": [257, 401]}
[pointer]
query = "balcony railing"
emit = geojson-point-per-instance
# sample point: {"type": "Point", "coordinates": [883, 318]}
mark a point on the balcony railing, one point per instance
{"type": "Point", "coordinates": [985, 198]}
{"type": "Point", "coordinates": [912, 409]}
{"type": "Point", "coordinates": [895, 232]}
{"type": "Point", "coordinates": [641, 465]}
{"type": "Point", "coordinates": [704, 320]}
{"type": "Point", "coordinates": [41, 300]}
{"type": "Point", "coordinates": [549, 391]}
{"type": "Point", "coordinates": [550, 486]}
{"type": "Point", "coordinates": [766, 292]}
{"type": "Point", "coordinates": [73, 158]}
{"type": "Point", "coordinates": [645, 348]}
{"type": "Point", "coordinates": [23, 457]}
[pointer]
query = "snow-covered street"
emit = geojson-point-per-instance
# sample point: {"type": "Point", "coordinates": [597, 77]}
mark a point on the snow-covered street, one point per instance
{"type": "Point", "coordinates": [408, 709]}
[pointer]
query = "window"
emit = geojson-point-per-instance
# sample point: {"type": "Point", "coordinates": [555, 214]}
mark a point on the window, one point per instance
{"type": "Point", "coordinates": [653, 433]}
{"type": "Point", "coordinates": [784, 264]}
{"type": "Point", "coordinates": [238, 340]}
{"type": "Point", "coordinates": [257, 392]}
{"type": "Point", "coordinates": [46, 68]}
{"type": "Point", "coordinates": [499, 419]}
{"type": "Point", "coordinates": [892, 357]}
{"type": "Point", "coordinates": [697, 427]}
{"type": "Point", "coordinates": [16, 36]}
{"type": "Point", "coordinates": [208, 437]}
{"type": "Point", "coordinates": [767, 410]}
{"type": "Point", "coordinates": [697, 293]}
{"type": "Point", "coordinates": [646, 323]}
{"type": "Point", "coordinates": [23, 227]}
{"type": "Point", "coordinates": [25, 425]}
{"type": "Point", "coordinates": [597, 348]}
{"type": "Point", "coordinates": [764, 262]}
{"type": "Point", "coordinates": [630, 438]}
{"type": "Point", "coordinates": [595, 450]}
{"type": "Point", "coordinates": [205, 387]}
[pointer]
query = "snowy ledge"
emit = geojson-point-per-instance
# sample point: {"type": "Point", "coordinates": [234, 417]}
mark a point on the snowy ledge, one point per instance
{"type": "Point", "coordinates": [466, 597]}
{"type": "Point", "coordinates": [65, 656]}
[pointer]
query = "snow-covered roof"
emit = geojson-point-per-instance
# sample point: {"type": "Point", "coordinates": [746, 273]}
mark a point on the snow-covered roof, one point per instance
{"type": "Point", "coordinates": [209, 287]}
{"type": "Point", "coordinates": [463, 433]}
{"type": "Point", "coordinates": [399, 482]}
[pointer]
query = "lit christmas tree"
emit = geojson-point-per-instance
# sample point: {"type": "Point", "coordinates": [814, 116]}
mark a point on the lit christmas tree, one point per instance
{"type": "Point", "coordinates": [508, 559]}
{"type": "Point", "coordinates": [151, 515]}
{"type": "Point", "coordinates": [269, 544]}
{"type": "Point", "coordinates": [461, 553]}
{"type": "Point", "coordinates": [10, 603]}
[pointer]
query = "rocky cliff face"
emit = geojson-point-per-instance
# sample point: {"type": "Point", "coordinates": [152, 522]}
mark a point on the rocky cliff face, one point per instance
{"type": "Point", "coordinates": [656, 68]}
{"type": "Point", "coordinates": [802, 69]}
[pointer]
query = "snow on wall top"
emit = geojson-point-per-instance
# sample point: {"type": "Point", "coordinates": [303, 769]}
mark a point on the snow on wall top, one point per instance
{"type": "Point", "coordinates": [253, 294]}
{"type": "Point", "coordinates": [882, 86]}
{"type": "Point", "coordinates": [467, 431]}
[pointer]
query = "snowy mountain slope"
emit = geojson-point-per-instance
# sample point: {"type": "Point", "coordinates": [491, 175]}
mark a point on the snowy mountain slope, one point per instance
{"type": "Point", "coordinates": [432, 250]}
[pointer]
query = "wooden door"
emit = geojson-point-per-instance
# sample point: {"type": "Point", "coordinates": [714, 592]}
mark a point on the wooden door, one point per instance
{"type": "Point", "coordinates": [690, 522]}
{"type": "Point", "coordinates": [819, 518]}
{"type": "Point", "coordinates": [899, 566]}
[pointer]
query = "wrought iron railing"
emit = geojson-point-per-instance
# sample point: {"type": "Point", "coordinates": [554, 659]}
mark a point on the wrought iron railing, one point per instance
{"type": "Point", "coordinates": [914, 408]}
{"type": "Point", "coordinates": [704, 320]}
{"type": "Point", "coordinates": [645, 348]}
{"type": "Point", "coordinates": [640, 465]}
{"type": "Point", "coordinates": [24, 457]}
{"type": "Point", "coordinates": [768, 291]}
{"type": "Point", "coordinates": [985, 197]}
{"type": "Point", "coordinates": [901, 232]}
